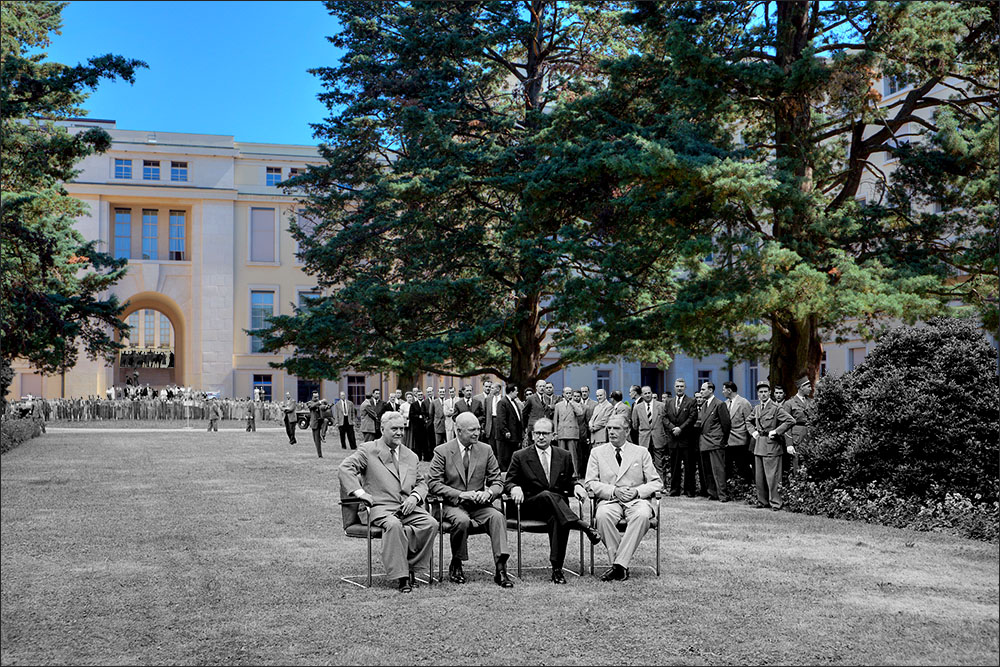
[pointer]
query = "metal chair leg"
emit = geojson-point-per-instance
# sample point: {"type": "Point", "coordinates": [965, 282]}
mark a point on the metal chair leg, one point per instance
{"type": "Point", "coordinates": [369, 554]}
{"type": "Point", "coordinates": [659, 522]}
{"type": "Point", "coordinates": [518, 541]}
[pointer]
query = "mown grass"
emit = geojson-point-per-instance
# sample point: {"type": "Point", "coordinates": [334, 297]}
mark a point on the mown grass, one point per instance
{"type": "Point", "coordinates": [227, 548]}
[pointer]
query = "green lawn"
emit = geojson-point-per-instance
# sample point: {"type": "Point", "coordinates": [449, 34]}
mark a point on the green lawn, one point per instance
{"type": "Point", "coordinates": [226, 548]}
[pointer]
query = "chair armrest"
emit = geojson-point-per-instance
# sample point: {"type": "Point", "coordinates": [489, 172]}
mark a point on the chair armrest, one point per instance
{"type": "Point", "coordinates": [353, 501]}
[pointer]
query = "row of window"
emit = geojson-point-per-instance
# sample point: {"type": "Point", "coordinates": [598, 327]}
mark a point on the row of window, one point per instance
{"type": "Point", "coordinates": [150, 234]}
{"type": "Point", "coordinates": [149, 335]}
{"type": "Point", "coordinates": [151, 170]}
{"type": "Point", "coordinates": [263, 385]}
{"type": "Point", "coordinates": [273, 175]}
{"type": "Point", "coordinates": [262, 307]}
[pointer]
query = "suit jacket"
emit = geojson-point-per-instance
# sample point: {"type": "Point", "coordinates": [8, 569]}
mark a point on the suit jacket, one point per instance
{"type": "Point", "coordinates": [462, 405]}
{"type": "Point", "coordinates": [437, 412]}
{"type": "Point", "coordinates": [447, 474]}
{"type": "Point", "coordinates": [650, 432]}
{"type": "Point", "coordinates": [566, 422]}
{"type": "Point", "coordinates": [684, 418]}
{"type": "Point", "coordinates": [599, 422]}
{"type": "Point", "coordinates": [765, 418]}
{"type": "Point", "coordinates": [604, 474]}
{"type": "Point", "coordinates": [799, 409]}
{"type": "Point", "coordinates": [342, 409]}
{"type": "Point", "coordinates": [288, 409]}
{"type": "Point", "coordinates": [625, 410]}
{"type": "Point", "coordinates": [526, 472]}
{"type": "Point", "coordinates": [371, 468]}
{"type": "Point", "coordinates": [508, 426]}
{"type": "Point", "coordinates": [534, 409]}
{"type": "Point", "coordinates": [370, 416]}
{"type": "Point", "coordinates": [739, 414]}
{"type": "Point", "coordinates": [315, 413]}
{"type": "Point", "coordinates": [714, 426]}
{"type": "Point", "coordinates": [488, 415]}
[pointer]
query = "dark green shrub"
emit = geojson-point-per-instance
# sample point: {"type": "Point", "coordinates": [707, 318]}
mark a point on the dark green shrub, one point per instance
{"type": "Point", "coordinates": [14, 431]}
{"type": "Point", "coordinates": [918, 419]}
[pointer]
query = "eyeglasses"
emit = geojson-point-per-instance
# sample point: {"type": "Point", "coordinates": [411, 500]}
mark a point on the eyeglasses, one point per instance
{"type": "Point", "coordinates": [542, 432]}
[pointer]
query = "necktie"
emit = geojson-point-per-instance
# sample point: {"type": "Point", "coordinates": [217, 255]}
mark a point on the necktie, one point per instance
{"type": "Point", "coordinates": [395, 460]}
{"type": "Point", "coordinates": [618, 456]}
{"type": "Point", "coordinates": [466, 457]}
{"type": "Point", "coordinates": [678, 408]}
{"type": "Point", "coordinates": [649, 414]}
{"type": "Point", "coordinates": [545, 465]}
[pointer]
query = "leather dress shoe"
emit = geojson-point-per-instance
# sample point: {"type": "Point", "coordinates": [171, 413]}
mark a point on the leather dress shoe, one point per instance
{"type": "Point", "coordinates": [557, 576]}
{"type": "Point", "coordinates": [404, 585]}
{"type": "Point", "coordinates": [501, 578]}
{"type": "Point", "coordinates": [615, 573]}
{"type": "Point", "coordinates": [413, 580]}
{"type": "Point", "coordinates": [592, 535]}
{"type": "Point", "coordinates": [455, 573]}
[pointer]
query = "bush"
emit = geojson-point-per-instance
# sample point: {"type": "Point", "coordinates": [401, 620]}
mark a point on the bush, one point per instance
{"type": "Point", "coordinates": [14, 431]}
{"type": "Point", "coordinates": [917, 420]}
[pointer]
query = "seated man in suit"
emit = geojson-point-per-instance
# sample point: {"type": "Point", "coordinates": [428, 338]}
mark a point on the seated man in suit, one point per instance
{"type": "Point", "coordinates": [384, 475]}
{"type": "Point", "coordinates": [622, 478]}
{"type": "Point", "coordinates": [539, 478]}
{"type": "Point", "coordinates": [465, 473]}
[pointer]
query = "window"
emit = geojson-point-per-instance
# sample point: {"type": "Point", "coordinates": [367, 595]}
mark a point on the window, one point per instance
{"type": "Point", "coordinates": [604, 381]}
{"type": "Point", "coordinates": [295, 171]}
{"type": "Point", "coordinates": [822, 365]}
{"type": "Point", "coordinates": [262, 382]}
{"type": "Point", "coordinates": [862, 201]}
{"type": "Point", "coordinates": [123, 233]}
{"type": "Point", "coordinates": [261, 308]}
{"type": "Point", "coordinates": [178, 171]}
{"type": "Point", "coordinates": [149, 321]}
{"type": "Point", "coordinates": [703, 376]}
{"type": "Point", "coordinates": [356, 389]}
{"type": "Point", "coordinates": [123, 168]}
{"type": "Point", "coordinates": [133, 329]}
{"type": "Point", "coordinates": [305, 296]}
{"type": "Point", "coordinates": [150, 235]}
{"type": "Point", "coordinates": [262, 235]}
{"type": "Point", "coordinates": [305, 389]}
{"type": "Point", "coordinates": [164, 331]}
{"type": "Point", "coordinates": [893, 84]}
{"type": "Point", "coordinates": [177, 232]}
{"type": "Point", "coordinates": [855, 357]}
{"type": "Point", "coordinates": [273, 175]}
{"type": "Point", "coordinates": [308, 227]}
{"type": "Point", "coordinates": [150, 170]}
{"type": "Point", "coordinates": [753, 372]}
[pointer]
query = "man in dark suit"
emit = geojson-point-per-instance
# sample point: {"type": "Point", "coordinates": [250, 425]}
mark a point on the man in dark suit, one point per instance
{"type": "Point", "coordinates": [418, 427]}
{"type": "Point", "coordinates": [800, 408]}
{"type": "Point", "coordinates": [713, 426]}
{"type": "Point", "coordinates": [508, 427]}
{"type": "Point", "coordinates": [490, 409]}
{"type": "Point", "coordinates": [440, 422]}
{"type": "Point", "coordinates": [316, 421]}
{"type": "Point", "coordinates": [288, 407]}
{"type": "Point", "coordinates": [469, 403]}
{"type": "Point", "coordinates": [539, 479]}
{"type": "Point", "coordinates": [679, 415]}
{"type": "Point", "coordinates": [534, 408]}
{"type": "Point", "coordinates": [465, 473]}
{"type": "Point", "coordinates": [386, 476]}
{"type": "Point", "coordinates": [343, 417]}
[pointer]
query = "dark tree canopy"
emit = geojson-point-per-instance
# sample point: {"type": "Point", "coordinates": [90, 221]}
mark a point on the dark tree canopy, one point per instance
{"type": "Point", "coordinates": [508, 178]}
{"type": "Point", "coordinates": [53, 282]}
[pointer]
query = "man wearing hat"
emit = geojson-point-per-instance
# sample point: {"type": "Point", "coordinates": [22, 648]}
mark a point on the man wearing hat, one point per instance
{"type": "Point", "coordinates": [767, 423]}
{"type": "Point", "coordinates": [799, 407]}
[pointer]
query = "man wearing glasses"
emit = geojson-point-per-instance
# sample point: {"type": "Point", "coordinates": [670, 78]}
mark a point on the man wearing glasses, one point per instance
{"type": "Point", "coordinates": [539, 479]}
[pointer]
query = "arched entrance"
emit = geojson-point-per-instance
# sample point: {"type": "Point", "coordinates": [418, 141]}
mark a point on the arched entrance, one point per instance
{"type": "Point", "coordinates": [154, 345]}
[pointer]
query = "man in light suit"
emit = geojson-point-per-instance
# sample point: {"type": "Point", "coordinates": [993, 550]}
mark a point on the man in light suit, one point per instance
{"type": "Point", "coordinates": [508, 427]}
{"type": "Point", "coordinates": [566, 423]}
{"type": "Point", "coordinates": [539, 479]}
{"type": "Point", "coordinates": [622, 479]}
{"type": "Point", "coordinates": [490, 398]}
{"type": "Point", "coordinates": [599, 419]}
{"type": "Point", "coordinates": [679, 415]}
{"type": "Point", "coordinates": [768, 423]}
{"type": "Point", "coordinates": [465, 473]}
{"type": "Point", "coordinates": [739, 457]}
{"type": "Point", "coordinates": [384, 474]}
{"type": "Point", "coordinates": [371, 413]}
{"type": "Point", "coordinates": [288, 408]}
{"type": "Point", "coordinates": [440, 421]}
{"type": "Point", "coordinates": [713, 437]}
{"type": "Point", "coordinates": [343, 417]}
{"type": "Point", "coordinates": [647, 421]}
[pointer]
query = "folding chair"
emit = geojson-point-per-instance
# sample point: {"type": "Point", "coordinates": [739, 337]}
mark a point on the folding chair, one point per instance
{"type": "Point", "coordinates": [355, 526]}
{"type": "Point", "coordinates": [435, 505]}
{"type": "Point", "coordinates": [516, 522]}
{"type": "Point", "coordinates": [654, 523]}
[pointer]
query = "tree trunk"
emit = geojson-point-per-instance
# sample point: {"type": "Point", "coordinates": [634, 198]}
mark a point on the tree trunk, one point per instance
{"type": "Point", "coordinates": [526, 352]}
{"type": "Point", "coordinates": [796, 352]}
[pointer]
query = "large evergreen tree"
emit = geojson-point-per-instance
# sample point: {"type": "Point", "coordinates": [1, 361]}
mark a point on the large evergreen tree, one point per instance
{"type": "Point", "coordinates": [433, 234]}
{"type": "Point", "coordinates": [52, 282]}
{"type": "Point", "coordinates": [791, 89]}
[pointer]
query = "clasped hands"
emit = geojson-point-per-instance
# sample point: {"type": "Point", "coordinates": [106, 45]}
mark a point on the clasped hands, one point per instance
{"type": "Point", "coordinates": [406, 508]}
{"type": "Point", "coordinates": [517, 495]}
{"type": "Point", "coordinates": [476, 497]}
{"type": "Point", "coordinates": [624, 494]}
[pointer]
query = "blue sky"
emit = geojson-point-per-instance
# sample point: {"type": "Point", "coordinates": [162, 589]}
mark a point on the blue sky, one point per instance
{"type": "Point", "coordinates": [234, 68]}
